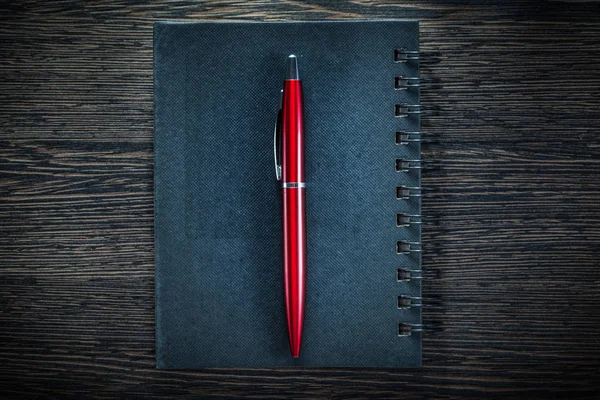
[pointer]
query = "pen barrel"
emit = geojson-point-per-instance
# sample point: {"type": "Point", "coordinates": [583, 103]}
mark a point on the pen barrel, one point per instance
{"type": "Point", "coordinates": [294, 263]}
{"type": "Point", "coordinates": [292, 132]}
{"type": "Point", "coordinates": [294, 218]}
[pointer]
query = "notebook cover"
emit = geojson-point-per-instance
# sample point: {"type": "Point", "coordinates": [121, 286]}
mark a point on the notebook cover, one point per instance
{"type": "Point", "coordinates": [218, 235]}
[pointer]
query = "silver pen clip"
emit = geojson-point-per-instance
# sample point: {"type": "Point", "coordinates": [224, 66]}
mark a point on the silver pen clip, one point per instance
{"type": "Point", "coordinates": [277, 143]}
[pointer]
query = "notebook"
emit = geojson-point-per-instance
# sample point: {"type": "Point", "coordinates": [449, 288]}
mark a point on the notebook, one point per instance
{"type": "Point", "coordinates": [218, 208]}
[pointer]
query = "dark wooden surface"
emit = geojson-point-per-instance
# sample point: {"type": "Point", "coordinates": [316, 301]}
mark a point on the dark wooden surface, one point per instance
{"type": "Point", "coordinates": [513, 309]}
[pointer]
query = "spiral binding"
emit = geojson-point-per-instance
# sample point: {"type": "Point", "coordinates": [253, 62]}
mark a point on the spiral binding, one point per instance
{"type": "Point", "coordinates": [406, 275]}
{"type": "Point", "coordinates": [404, 82]}
{"type": "Point", "coordinates": [406, 192]}
{"type": "Point", "coordinates": [407, 247]}
{"type": "Point", "coordinates": [405, 110]}
{"type": "Point", "coordinates": [406, 329]}
{"type": "Point", "coordinates": [405, 138]}
{"type": "Point", "coordinates": [404, 220]}
{"type": "Point", "coordinates": [404, 165]}
{"type": "Point", "coordinates": [409, 301]}
{"type": "Point", "coordinates": [402, 55]}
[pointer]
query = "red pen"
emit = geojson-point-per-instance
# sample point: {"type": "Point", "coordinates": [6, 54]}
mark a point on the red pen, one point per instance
{"type": "Point", "coordinates": [289, 166]}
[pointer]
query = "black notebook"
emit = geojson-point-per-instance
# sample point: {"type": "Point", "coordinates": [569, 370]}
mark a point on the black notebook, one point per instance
{"type": "Point", "coordinates": [218, 216]}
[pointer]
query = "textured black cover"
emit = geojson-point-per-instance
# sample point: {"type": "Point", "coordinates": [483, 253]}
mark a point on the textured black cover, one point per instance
{"type": "Point", "coordinates": [219, 294]}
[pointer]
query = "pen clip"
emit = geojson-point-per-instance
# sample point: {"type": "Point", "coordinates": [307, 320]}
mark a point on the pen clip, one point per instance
{"type": "Point", "coordinates": [277, 143]}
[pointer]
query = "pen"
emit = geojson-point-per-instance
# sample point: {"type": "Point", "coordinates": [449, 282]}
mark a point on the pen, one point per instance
{"type": "Point", "coordinates": [289, 168]}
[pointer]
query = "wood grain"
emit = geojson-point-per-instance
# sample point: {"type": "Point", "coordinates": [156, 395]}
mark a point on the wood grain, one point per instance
{"type": "Point", "coordinates": [513, 306]}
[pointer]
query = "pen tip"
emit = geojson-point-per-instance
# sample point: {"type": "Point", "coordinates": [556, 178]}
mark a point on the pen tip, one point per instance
{"type": "Point", "coordinates": [292, 68]}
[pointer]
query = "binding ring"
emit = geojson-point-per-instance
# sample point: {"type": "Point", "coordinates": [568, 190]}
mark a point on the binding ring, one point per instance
{"type": "Point", "coordinates": [406, 329]}
{"type": "Point", "coordinates": [406, 247]}
{"type": "Point", "coordinates": [406, 192]}
{"type": "Point", "coordinates": [408, 301]}
{"type": "Point", "coordinates": [402, 82]}
{"type": "Point", "coordinates": [404, 165]}
{"type": "Point", "coordinates": [402, 55]}
{"type": "Point", "coordinates": [404, 138]}
{"type": "Point", "coordinates": [404, 220]}
{"type": "Point", "coordinates": [405, 275]}
{"type": "Point", "coordinates": [404, 110]}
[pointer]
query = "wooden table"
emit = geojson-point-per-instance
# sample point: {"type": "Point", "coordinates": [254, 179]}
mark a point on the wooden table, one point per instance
{"type": "Point", "coordinates": [513, 307]}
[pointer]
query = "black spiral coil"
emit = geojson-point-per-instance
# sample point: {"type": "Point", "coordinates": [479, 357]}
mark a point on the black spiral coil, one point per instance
{"type": "Point", "coordinates": [404, 165]}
